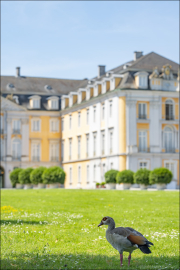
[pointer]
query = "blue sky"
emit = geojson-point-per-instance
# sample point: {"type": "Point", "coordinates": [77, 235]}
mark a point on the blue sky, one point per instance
{"type": "Point", "coordinates": [70, 39]}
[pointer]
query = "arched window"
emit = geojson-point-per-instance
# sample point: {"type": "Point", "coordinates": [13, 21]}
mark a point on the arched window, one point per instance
{"type": "Point", "coordinates": [169, 110]}
{"type": "Point", "coordinates": [168, 140]}
{"type": "Point", "coordinates": [16, 149]}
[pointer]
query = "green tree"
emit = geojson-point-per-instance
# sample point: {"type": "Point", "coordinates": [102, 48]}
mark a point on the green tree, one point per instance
{"type": "Point", "coordinates": [160, 176]}
{"type": "Point", "coordinates": [142, 177]}
{"type": "Point", "coordinates": [110, 176]}
{"type": "Point", "coordinates": [53, 175]}
{"type": "Point", "coordinates": [14, 176]}
{"type": "Point", "coordinates": [36, 175]}
{"type": "Point", "coordinates": [24, 176]}
{"type": "Point", "coordinates": [125, 177]}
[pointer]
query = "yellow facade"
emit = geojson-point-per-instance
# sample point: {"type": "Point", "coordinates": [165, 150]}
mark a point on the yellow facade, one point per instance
{"type": "Point", "coordinates": [44, 135]}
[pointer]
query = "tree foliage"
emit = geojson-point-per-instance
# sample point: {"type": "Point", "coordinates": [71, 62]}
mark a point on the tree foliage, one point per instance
{"type": "Point", "coordinates": [53, 175]}
{"type": "Point", "coordinates": [142, 177]}
{"type": "Point", "coordinates": [160, 176]}
{"type": "Point", "coordinates": [36, 175]}
{"type": "Point", "coordinates": [110, 176]}
{"type": "Point", "coordinates": [14, 176]}
{"type": "Point", "coordinates": [24, 176]}
{"type": "Point", "coordinates": [125, 177]}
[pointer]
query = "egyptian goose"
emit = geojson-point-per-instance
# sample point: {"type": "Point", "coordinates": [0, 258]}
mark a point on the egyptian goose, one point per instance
{"type": "Point", "coordinates": [125, 239]}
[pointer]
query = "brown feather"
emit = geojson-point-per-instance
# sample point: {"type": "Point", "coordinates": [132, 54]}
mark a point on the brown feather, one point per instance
{"type": "Point", "coordinates": [139, 240]}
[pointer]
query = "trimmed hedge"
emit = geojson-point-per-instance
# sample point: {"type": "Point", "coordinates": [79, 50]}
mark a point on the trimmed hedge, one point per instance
{"type": "Point", "coordinates": [53, 175]}
{"type": "Point", "coordinates": [160, 176]}
{"type": "Point", "coordinates": [14, 176]}
{"type": "Point", "coordinates": [36, 175]}
{"type": "Point", "coordinates": [110, 176]}
{"type": "Point", "coordinates": [24, 176]}
{"type": "Point", "coordinates": [142, 177]}
{"type": "Point", "coordinates": [125, 177]}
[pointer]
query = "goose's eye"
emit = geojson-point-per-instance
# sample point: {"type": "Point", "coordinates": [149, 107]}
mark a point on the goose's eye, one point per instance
{"type": "Point", "coordinates": [104, 219]}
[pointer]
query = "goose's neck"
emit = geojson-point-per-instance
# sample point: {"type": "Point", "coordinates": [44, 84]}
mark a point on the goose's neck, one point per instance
{"type": "Point", "coordinates": [111, 226]}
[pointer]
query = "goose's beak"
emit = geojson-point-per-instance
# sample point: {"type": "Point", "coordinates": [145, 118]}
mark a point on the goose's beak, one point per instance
{"type": "Point", "coordinates": [100, 224]}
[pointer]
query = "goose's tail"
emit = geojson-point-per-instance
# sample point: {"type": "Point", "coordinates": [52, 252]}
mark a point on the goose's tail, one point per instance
{"type": "Point", "coordinates": [145, 248]}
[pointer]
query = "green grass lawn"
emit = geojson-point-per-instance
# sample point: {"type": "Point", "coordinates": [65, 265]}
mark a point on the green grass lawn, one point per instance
{"type": "Point", "coordinates": [57, 229]}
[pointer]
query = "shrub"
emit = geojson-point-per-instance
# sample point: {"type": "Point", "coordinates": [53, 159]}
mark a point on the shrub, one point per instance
{"type": "Point", "coordinates": [125, 177]}
{"type": "Point", "coordinates": [14, 176]}
{"type": "Point", "coordinates": [110, 176]}
{"type": "Point", "coordinates": [103, 183]}
{"type": "Point", "coordinates": [53, 175]}
{"type": "Point", "coordinates": [160, 176]}
{"type": "Point", "coordinates": [36, 175]}
{"type": "Point", "coordinates": [24, 176]}
{"type": "Point", "coordinates": [97, 184]}
{"type": "Point", "coordinates": [142, 177]}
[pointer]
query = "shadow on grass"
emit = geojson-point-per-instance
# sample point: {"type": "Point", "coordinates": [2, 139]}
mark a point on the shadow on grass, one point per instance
{"type": "Point", "coordinates": [85, 261]}
{"type": "Point", "coordinates": [14, 221]}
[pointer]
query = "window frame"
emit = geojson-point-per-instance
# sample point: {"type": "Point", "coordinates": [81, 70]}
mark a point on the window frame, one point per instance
{"type": "Point", "coordinates": [56, 125]}
{"type": "Point", "coordinates": [32, 124]}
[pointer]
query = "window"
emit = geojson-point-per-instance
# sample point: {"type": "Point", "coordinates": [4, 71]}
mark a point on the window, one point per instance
{"type": "Point", "coordinates": [94, 173]}
{"type": "Point", "coordinates": [70, 149]}
{"type": "Point", "coordinates": [35, 102]}
{"type": "Point", "coordinates": [87, 173]}
{"type": "Point", "coordinates": [142, 141]}
{"type": "Point", "coordinates": [35, 125]}
{"type": "Point", "coordinates": [170, 166]}
{"type": "Point", "coordinates": [79, 119]}
{"type": "Point", "coordinates": [168, 140]}
{"type": "Point", "coordinates": [35, 152]}
{"type": "Point", "coordinates": [70, 122]}
{"type": "Point", "coordinates": [54, 152]}
{"type": "Point", "coordinates": [87, 145]}
{"type": "Point", "coordinates": [142, 81]}
{"type": "Point", "coordinates": [169, 110]}
{"type": "Point", "coordinates": [62, 124]}
{"type": "Point", "coordinates": [79, 175]}
{"type": "Point", "coordinates": [62, 151]}
{"type": "Point", "coordinates": [143, 165]}
{"type": "Point", "coordinates": [111, 141]}
{"type": "Point", "coordinates": [54, 125]}
{"type": "Point", "coordinates": [142, 111]}
{"type": "Point", "coordinates": [79, 146]}
{"type": "Point", "coordinates": [111, 165]}
{"type": "Point", "coordinates": [94, 144]}
{"type": "Point", "coordinates": [1, 124]}
{"type": "Point", "coordinates": [110, 108]}
{"type": "Point", "coordinates": [54, 104]}
{"type": "Point", "coordinates": [103, 142]}
{"type": "Point", "coordinates": [16, 149]}
{"type": "Point", "coordinates": [94, 114]}
{"type": "Point", "coordinates": [16, 126]}
{"type": "Point", "coordinates": [87, 117]}
{"type": "Point", "coordinates": [70, 176]}
{"type": "Point", "coordinates": [103, 111]}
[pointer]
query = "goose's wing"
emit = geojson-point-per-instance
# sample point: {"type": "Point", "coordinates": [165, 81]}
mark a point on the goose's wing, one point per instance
{"type": "Point", "coordinates": [134, 231]}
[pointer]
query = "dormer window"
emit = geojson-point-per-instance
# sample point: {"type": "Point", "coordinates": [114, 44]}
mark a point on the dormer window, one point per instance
{"type": "Point", "coordinates": [53, 103]}
{"type": "Point", "coordinates": [141, 79]}
{"type": "Point", "coordinates": [34, 102]}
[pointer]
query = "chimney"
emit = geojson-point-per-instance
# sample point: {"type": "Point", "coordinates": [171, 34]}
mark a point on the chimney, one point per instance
{"type": "Point", "coordinates": [137, 54]}
{"type": "Point", "coordinates": [101, 70]}
{"type": "Point", "coordinates": [18, 72]}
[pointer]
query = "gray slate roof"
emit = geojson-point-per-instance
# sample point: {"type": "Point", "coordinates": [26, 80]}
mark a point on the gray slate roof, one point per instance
{"type": "Point", "coordinates": [35, 85]}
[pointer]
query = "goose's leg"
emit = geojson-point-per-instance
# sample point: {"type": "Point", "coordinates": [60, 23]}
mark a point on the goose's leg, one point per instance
{"type": "Point", "coordinates": [129, 259]}
{"type": "Point", "coordinates": [121, 258]}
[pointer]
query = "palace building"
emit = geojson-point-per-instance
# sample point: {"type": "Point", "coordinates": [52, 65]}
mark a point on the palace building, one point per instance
{"type": "Point", "coordinates": [125, 118]}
